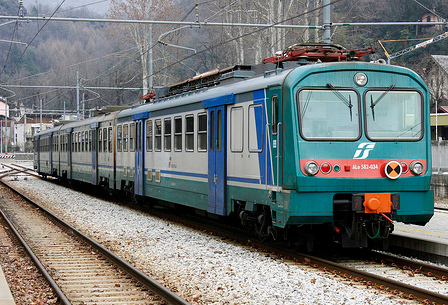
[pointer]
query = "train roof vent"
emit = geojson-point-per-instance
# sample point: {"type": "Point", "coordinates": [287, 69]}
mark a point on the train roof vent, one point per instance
{"type": "Point", "coordinates": [236, 73]}
{"type": "Point", "coordinates": [203, 80]}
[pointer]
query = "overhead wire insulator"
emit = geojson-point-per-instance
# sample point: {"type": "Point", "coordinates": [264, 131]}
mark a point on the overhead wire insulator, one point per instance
{"type": "Point", "coordinates": [21, 9]}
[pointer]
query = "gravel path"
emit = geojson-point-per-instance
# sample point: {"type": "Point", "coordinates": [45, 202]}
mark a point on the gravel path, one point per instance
{"type": "Point", "coordinates": [202, 269]}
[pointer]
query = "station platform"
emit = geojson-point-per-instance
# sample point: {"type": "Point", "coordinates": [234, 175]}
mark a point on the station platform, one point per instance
{"type": "Point", "coordinates": [429, 242]}
{"type": "Point", "coordinates": [5, 294]}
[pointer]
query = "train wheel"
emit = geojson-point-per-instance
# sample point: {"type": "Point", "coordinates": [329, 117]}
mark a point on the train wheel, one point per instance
{"type": "Point", "coordinates": [262, 225]}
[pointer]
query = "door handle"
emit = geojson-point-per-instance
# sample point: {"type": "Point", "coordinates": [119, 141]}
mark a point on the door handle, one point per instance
{"type": "Point", "coordinates": [215, 178]}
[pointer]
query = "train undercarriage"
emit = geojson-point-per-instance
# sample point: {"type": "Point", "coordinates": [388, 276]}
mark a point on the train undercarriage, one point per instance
{"type": "Point", "coordinates": [351, 228]}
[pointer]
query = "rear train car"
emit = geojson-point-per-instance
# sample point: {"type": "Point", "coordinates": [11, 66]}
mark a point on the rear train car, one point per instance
{"type": "Point", "coordinates": [320, 151]}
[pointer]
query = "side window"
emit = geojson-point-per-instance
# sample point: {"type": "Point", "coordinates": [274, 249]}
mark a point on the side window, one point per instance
{"type": "Point", "coordinates": [167, 134]}
{"type": "Point", "coordinates": [83, 141]}
{"type": "Point", "coordinates": [110, 139]}
{"type": "Point", "coordinates": [256, 131]}
{"type": "Point", "coordinates": [202, 132]}
{"type": "Point", "coordinates": [132, 137]}
{"type": "Point", "coordinates": [158, 135]}
{"type": "Point", "coordinates": [149, 135]}
{"type": "Point", "coordinates": [236, 129]}
{"type": "Point", "coordinates": [274, 114]}
{"type": "Point", "coordinates": [105, 139]}
{"type": "Point", "coordinates": [125, 137]}
{"type": "Point", "coordinates": [178, 134]}
{"type": "Point", "coordinates": [119, 138]}
{"type": "Point", "coordinates": [100, 140]}
{"type": "Point", "coordinates": [76, 141]}
{"type": "Point", "coordinates": [189, 133]}
{"type": "Point", "coordinates": [90, 140]}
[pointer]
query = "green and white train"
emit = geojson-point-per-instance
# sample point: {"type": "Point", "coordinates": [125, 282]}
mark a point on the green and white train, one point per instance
{"type": "Point", "coordinates": [337, 148]}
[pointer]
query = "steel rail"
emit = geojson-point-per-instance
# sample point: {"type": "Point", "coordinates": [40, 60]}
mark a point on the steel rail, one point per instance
{"type": "Point", "coordinates": [376, 280]}
{"type": "Point", "coordinates": [21, 169]}
{"type": "Point", "coordinates": [412, 292]}
{"type": "Point", "coordinates": [56, 289]}
{"type": "Point", "coordinates": [416, 267]}
{"type": "Point", "coordinates": [145, 280]}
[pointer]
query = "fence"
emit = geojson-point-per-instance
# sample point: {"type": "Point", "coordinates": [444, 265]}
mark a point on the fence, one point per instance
{"type": "Point", "coordinates": [17, 156]}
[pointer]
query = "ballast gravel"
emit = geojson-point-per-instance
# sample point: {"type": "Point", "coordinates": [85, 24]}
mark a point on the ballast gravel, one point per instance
{"type": "Point", "coordinates": [200, 268]}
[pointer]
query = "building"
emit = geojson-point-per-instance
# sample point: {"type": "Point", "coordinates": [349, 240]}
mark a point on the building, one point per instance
{"type": "Point", "coordinates": [431, 17]}
{"type": "Point", "coordinates": [25, 128]}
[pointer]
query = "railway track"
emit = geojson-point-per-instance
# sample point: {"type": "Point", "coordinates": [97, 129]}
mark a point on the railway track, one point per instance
{"type": "Point", "coordinates": [403, 277]}
{"type": "Point", "coordinates": [359, 272]}
{"type": "Point", "coordinates": [79, 270]}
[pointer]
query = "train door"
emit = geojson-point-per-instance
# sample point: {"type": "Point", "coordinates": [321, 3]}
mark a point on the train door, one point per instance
{"type": "Point", "coordinates": [69, 152]}
{"type": "Point", "coordinates": [94, 141]}
{"type": "Point", "coordinates": [217, 160]}
{"type": "Point", "coordinates": [273, 105]}
{"type": "Point", "coordinates": [50, 153]}
{"type": "Point", "coordinates": [139, 188]}
{"type": "Point", "coordinates": [37, 152]}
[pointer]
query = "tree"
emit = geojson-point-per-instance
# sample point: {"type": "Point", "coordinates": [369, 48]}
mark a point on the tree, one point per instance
{"type": "Point", "coordinates": [138, 33]}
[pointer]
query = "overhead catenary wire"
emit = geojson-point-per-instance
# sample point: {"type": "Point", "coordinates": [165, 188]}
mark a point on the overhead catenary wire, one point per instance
{"type": "Point", "coordinates": [29, 44]}
{"type": "Point", "coordinates": [10, 45]}
{"type": "Point", "coordinates": [244, 35]}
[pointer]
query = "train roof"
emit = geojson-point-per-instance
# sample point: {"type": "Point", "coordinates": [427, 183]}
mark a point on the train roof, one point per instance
{"type": "Point", "coordinates": [199, 95]}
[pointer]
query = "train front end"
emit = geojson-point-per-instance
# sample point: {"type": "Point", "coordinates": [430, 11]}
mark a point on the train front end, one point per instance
{"type": "Point", "coordinates": [356, 150]}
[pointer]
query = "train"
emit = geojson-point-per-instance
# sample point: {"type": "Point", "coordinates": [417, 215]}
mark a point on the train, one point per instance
{"type": "Point", "coordinates": [312, 145]}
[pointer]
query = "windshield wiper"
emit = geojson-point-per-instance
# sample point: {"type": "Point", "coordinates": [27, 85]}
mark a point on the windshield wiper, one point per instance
{"type": "Point", "coordinates": [348, 102]}
{"type": "Point", "coordinates": [373, 104]}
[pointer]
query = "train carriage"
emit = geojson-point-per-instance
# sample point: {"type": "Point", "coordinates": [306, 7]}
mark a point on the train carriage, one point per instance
{"type": "Point", "coordinates": [43, 158]}
{"type": "Point", "coordinates": [105, 170]}
{"type": "Point", "coordinates": [340, 148]}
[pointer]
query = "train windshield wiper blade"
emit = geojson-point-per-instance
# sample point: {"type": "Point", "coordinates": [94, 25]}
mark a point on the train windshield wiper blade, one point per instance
{"type": "Point", "coordinates": [373, 103]}
{"type": "Point", "coordinates": [347, 102]}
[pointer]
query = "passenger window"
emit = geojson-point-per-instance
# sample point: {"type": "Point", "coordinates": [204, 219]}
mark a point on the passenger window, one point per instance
{"type": "Point", "coordinates": [202, 132]}
{"type": "Point", "coordinates": [236, 129]}
{"type": "Point", "coordinates": [125, 137]}
{"type": "Point", "coordinates": [219, 117]}
{"type": "Point", "coordinates": [178, 134]}
{"type": "Point", "coordinates": [149, 135]}
{"type": "Point", "coordinates": [212, 131]}
{"type": "Point", "coordinates": [100, 140]}
{"type": "Point", "coordinates": [167, 134]}
{"type": "Point", "coordinates": [158, 135]}
{"type": "Point", "coordinates": [119, 137]}
{"type": "Point", "coordinates": [132, 137]}
{"type": "Point", "coordinates": [90, 140]}
{"type": "Point", "coordinates": [77, 142]}
{"type": "Point", "coordinates": [105, 139]}
{"type": "Point", "coordinates": [256, 131]}
{"type": "Point", "coordinates": [82, 141]}
{"type": "Point", "coordinates": [110, 139]}
{"type": "Point", "coordinates": [274, 114]}
{"type": "Point", "coordinates": [189, 133]}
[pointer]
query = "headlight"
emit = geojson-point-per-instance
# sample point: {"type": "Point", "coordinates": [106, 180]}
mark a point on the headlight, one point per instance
{"type": "Point", "coordinates": [311, 168]}
{"type": "Point", "coordinates": [360, 79]}
{"type": "Point", "coordinates": [417, 168]}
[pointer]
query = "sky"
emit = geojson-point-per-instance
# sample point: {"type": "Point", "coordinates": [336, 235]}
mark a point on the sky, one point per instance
{"type": "Point", "coordinates": [99, 8]}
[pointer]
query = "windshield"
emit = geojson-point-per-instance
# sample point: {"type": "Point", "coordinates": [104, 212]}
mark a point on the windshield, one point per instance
{"type": "Point", "coordinates": [329, 114]}
{"type": "Point", "coordinates": [394, 115]}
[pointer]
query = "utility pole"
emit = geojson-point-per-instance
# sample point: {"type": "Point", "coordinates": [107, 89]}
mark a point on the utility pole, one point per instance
{"type": "Point", "coordinates": [326, 37]}
{"type": "Point", "coordinates": [83, 103]}
{"type": "Point", "coordinates": [77, 95]}
{"type": "Point", "coordinates": [6, 125]}
{"type": "Point", "coordinates": [24, 131]}
{"type": "Point", "coordinates": [40, 114]}
{"type": "Point", "coordinates": [150, 81]}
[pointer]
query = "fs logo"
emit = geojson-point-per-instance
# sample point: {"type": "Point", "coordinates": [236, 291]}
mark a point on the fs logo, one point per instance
{"type": "Point", "coordinates": [363, 150]}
